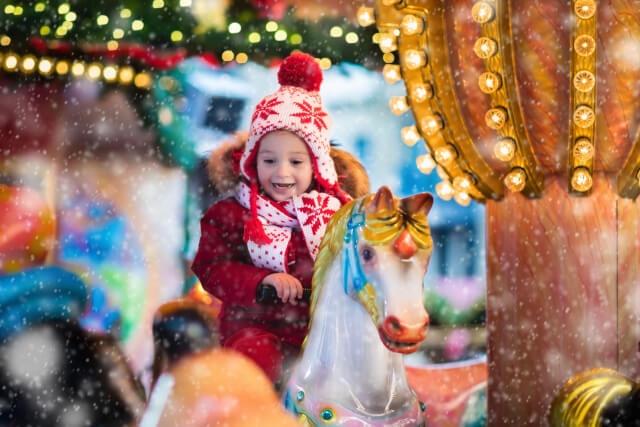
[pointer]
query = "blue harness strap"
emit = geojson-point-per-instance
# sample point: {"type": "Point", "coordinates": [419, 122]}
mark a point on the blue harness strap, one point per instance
{"type": "Point", "coordinates": [351, 260]}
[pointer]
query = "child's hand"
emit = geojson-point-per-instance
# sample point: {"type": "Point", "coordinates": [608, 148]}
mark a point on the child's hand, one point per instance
{"type": "Point", "coordinates": [287, 287]}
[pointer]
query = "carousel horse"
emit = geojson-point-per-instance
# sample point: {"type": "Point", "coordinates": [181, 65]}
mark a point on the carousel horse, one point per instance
{"type": "Point", "coordinates": [366, 311]}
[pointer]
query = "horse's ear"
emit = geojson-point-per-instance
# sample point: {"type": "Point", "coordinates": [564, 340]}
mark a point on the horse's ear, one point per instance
{"type": "Point", "coordinates": [420, 202]}
{"type": "Point", "coordinates": [382, 201]}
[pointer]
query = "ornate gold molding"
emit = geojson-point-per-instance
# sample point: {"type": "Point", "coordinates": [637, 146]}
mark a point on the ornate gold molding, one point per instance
{"type": "Point", "coordinates": [417, 30]}
{"type": "Point", "coordinates": [495, 47]}
{"type": "Point", "coordinates": [583, 97]}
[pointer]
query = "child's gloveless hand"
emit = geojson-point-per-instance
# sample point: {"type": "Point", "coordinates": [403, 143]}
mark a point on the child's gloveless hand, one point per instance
{"type": "Point", "coordinates": [287, 287]}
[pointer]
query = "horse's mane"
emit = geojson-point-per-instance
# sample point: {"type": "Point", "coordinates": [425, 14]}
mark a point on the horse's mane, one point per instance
{"type": "Point", "coordinates": [330, 247]}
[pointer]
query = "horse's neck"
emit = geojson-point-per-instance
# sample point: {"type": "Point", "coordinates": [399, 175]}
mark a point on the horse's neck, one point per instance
{"type": "Point", "coordinates": [344, 359]}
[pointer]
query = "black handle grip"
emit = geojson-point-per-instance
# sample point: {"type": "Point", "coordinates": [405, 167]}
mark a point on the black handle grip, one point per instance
{"type": "Point", "coordinates": [267, 295]}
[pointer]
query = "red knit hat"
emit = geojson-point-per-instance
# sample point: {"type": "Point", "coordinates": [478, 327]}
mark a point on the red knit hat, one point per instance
{"type": "Point", "coordinates": [297, 108]}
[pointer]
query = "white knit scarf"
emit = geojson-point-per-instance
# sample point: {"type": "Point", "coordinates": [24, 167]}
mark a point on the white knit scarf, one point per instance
{"type": "Point", "coordinates": [309, 211]}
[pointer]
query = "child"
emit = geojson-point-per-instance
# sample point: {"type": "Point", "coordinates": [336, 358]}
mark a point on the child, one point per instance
{"type": "Point", "coordinates": [268, 233]}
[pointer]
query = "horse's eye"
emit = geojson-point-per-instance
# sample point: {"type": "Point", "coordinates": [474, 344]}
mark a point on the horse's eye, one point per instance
{"type": "Point", "coordinates": [367, 254]}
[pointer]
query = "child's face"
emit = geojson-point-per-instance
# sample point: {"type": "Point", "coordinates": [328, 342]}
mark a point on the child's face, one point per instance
{"type": "Point", "coordinates": [284, 165]}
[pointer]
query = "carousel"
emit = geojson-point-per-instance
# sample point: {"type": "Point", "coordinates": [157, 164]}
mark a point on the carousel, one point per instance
{"type": "Point", "coordinates": [525, 108]}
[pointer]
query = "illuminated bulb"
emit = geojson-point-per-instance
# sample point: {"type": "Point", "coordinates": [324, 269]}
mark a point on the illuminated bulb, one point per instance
{"type": "Point", "coordinates": [351, 38]}
{"type": "Point", "coordinates": [77, 69]}
{"type": "Point", "coordinates": [505, 149]}
{"type": "Point", "coordinates": [165, 116]}
{"type": "Point", "coordinates": [388, 42]}
{"type": "Point", "coordinates": [137, 25]}
{"type": "Point", "coordinates": [62, 68]}
{"type": "Point", "coordinates": [583, 150]}
{"type": "Point", "coordinates": [462, 198]}
{"type": "Point", "coordinates": [176, 36]}
{"type": "Point", "coordinates": [63, 9]}
{"type": "Point", "coordinates": [271, 26]}
{"type": "Point", "coordinates": [489, 82]}
{"type": "Point", "coordinates": [391, 73]}
{"type": "Point", "coordinates": [45, 66]}
{"type": "Point", "coordinates": [94, 71]}
{"type": "Point", "coordinates": [485, 47]}
{"type": "Point", "coordinates": [389, 58]}
{"type": "Point", "coordinates": [410, 135]}
{"type": "Point", "coordinates": [366, 16]}
{"type": "Point", "coordinates": [585, 9]}
{"type": "Point", "coordinates": [411, 24]}
{"type": "Point", "coordinates": [71, 16]}
{"type": "Point", "coordinates": [496, 118]}
{"type": "Point", "coordinates": [234, 28]}
{"type": "Point", "coordinates": [157, 4]}
{"type": "Point", "coordinates": [28, 64]}
{"type": "Point", "coordinates": [102, 20]}
{"type": "Point", "coordinates": [482, 12]}
{"type": "Point", "coordinates": [430, 125]}
{"type": "Point", "coordinates": [254, 37]}
{"type": "Point", "coordinates": [398, 104]}
{"type": "Point", "coordinates": [420, 92]}
{"type": "Point", "coordinates": [110, 73]}
{"type": "Point", "coordinates": [227, 56]}
{"type": "Point", "coordinates": [143, 80]}
{"type": "Point", "coordinates": [10, 62]}
{"type": "Point", "coordinates": [444, 190]}
{"type": "Point", "coordinates": [584, 116]}
{"type": "Point", "coordinates": [414, 59]}
{"type": "Point", "coordinates": [463, 183]}
{"type": "Point", "coordinates": [336, 32]}
{"type": "Point", "coordinates": [425, 163]}
{"type": "Point", "coordinates": [295, 39]}
{"type": "Point", "coordinates": [242, 58]}
{"type": "Point", "coordinates": [5, 40]}
{"type": "Point", "coordinates": [125, 76]}
{"type": "Point", "coordinates": [584, 45]}
{"type": "Point", "coordinates": [112, 45]}
{"type": "Point", "coordinates": [118, 33]}
{"type": "Point", "coordinates": [515, 180]}
{"type": "Point", "coordinates": [325, 63]}
{"type": "Point", "coordinates": [581, 179]}
{"type": "Point", "coordinates": [584, 81]}
{"type": "Point", "coordinates": [280, 35]}
{"type": "Point", "coordinates": [445, 154]}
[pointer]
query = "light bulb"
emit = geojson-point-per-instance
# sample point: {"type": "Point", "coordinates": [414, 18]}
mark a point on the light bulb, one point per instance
{"type": "Point", "coordinates": [462, 198]}
{"type": "Point", "coordinates": [445, 154]}
{"type": "Point", "coordinates": [431, 124]}
{"type": "Point", "coordinates": [398, 104]}
{"type": "Point", "coordinates": [496, 118]}
{"type": "Point", "coordinates": [489, 82]}
{"type": "Point", "coordinates": [411, 24]}
{"type": "Point", "coordinates": [28, 64]}
{"type": "Point", "coordinates": [584, 81]}
{"type": "Point", "coordinates": [77, 69]}
{"type": "Point", "coordinates": [581, 180]}
{"type": "Point", "coordinates": [584, 45]}
{"type": "Point", "coordinates": [482, 12]}
{"type": "Point", "coordinates": [391, 73]}
{"type": "Point", "coordinates": [94, 71]}
{"type": "Point", "coordinates": [505, 149]}
{"type": "Point", "coordinates": [463, 183]}
{"type": "Point", "coordinates": [420, 92]}
{"type": "Point", "coordinates": [583, 150]}
{"type": "Point", "coordinates": [388, 42]}
{"type": "Point", "coordinates": [425, 163]}
{"type": "Point", "coordinates": [366, 16]}
{"type": "Point", "coordinates": [10, 62]}
{"type": "Point", "coordinates": [45, 66]}
{"type": "Point", "coordinates": [585, 9]}
{"type": "Point", "coordinates": [414, 59]}
{"type": "Point", "coordinates": [444, 190]}
{"type": "Point", "coordinates": [515, 180]}
{"type": "Point", "coordinates": [410, 135]}
{"type": "Point", "coordinates": [485, 47]}
{"type": "Point", "coordinates": [584, 116]}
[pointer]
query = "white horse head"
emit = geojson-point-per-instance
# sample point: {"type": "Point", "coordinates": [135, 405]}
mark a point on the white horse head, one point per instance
{"type": "Point", "coordinates": [366, 309]}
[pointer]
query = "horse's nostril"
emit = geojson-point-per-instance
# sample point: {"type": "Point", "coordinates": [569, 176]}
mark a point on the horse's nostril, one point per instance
{"type": "Point", "coordinates": [394, 325]}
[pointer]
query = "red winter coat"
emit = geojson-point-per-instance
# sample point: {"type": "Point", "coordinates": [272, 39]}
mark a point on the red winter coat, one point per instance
{"type": "Point", "coordinates": [225, 270]}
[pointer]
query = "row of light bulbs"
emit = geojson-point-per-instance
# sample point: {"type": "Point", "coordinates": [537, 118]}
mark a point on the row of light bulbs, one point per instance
{"type": "Point", "coordinates": [584, 81]}
{"type": "Point", "coordinates": [418, 92]}
{"type": "Point", "coordinates": [29, 64]}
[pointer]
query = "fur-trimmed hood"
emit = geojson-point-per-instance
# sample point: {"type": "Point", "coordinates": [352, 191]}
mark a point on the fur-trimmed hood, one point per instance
{"type": "Point", "coordinates": [352, 177]}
